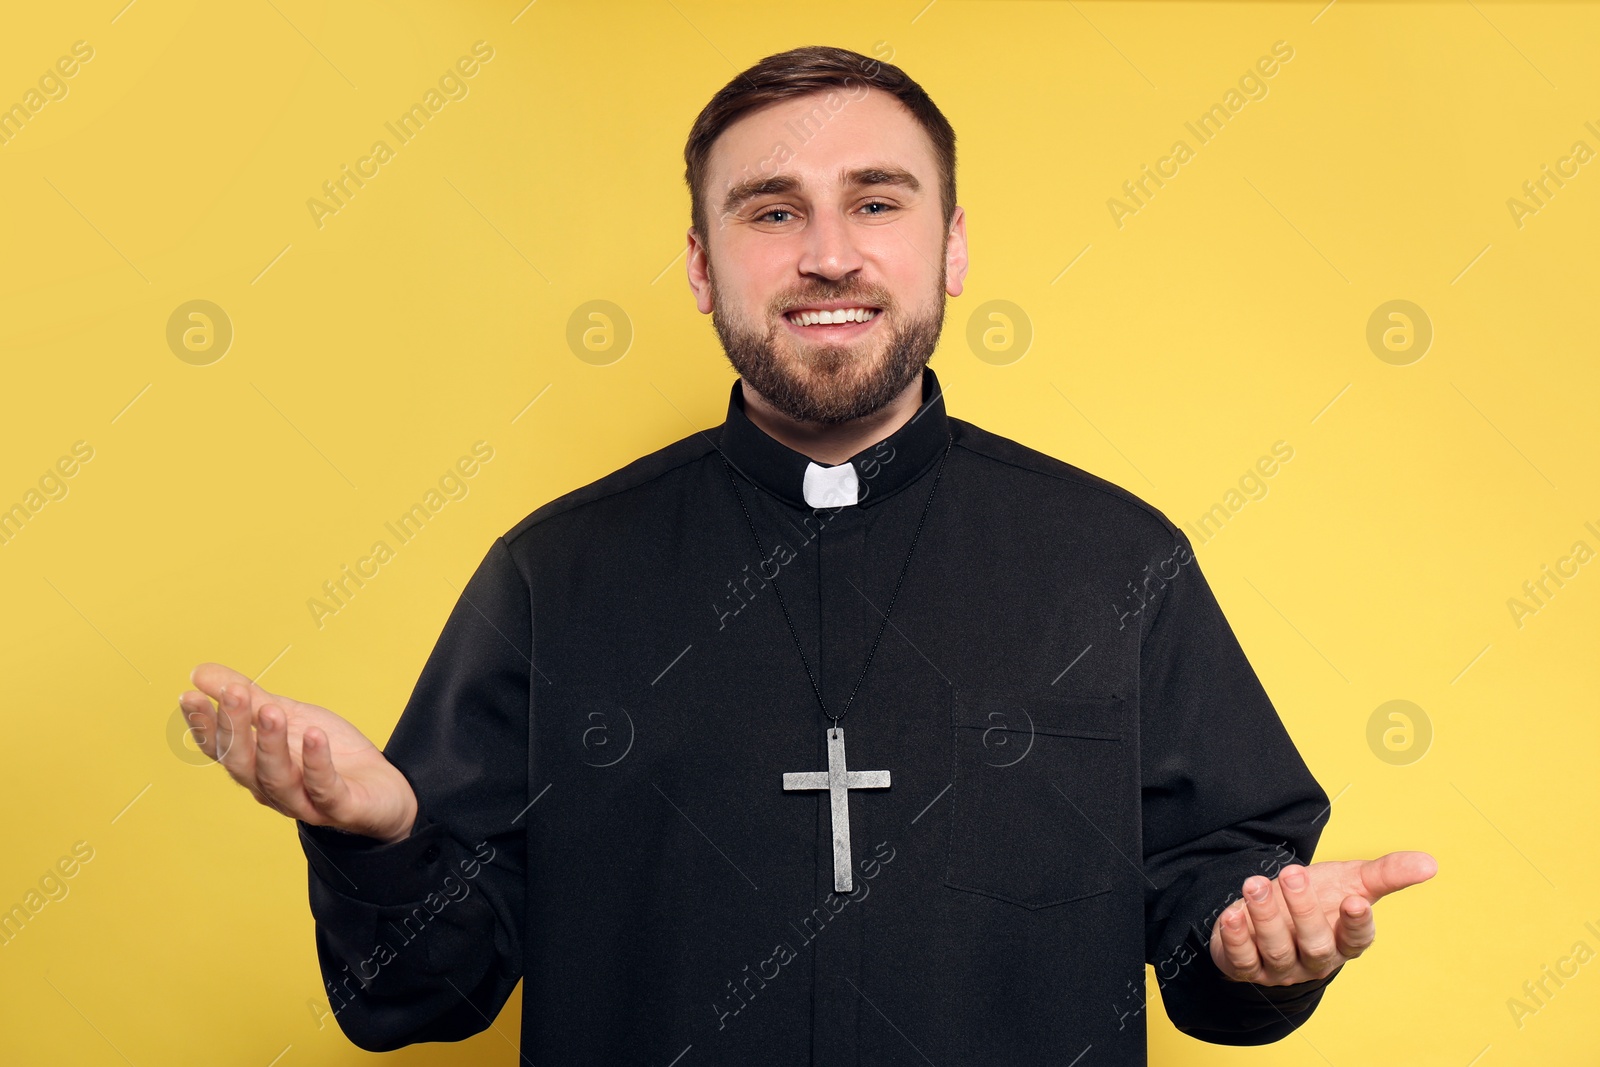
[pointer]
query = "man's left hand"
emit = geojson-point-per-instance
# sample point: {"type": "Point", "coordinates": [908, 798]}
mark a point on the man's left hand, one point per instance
{"type": "Point", "coordinates": [1308, 921]}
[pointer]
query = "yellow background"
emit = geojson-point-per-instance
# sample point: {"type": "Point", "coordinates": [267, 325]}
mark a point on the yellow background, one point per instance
{"type": "Point", "coordinates": [369, 353]}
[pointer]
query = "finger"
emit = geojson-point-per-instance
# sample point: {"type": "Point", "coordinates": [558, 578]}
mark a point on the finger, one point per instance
{"type": "Point", "coordinates": [202, 721]}
{"type": "Point", "coordinates": [1313, 933]}
{"type": "Point", "coordinates": [277, 776]}
{"type": "Point", "coordinates": [326, 788]}
{"type": "Point", "coordinates": [236, 744]}
{"type": "Point", "coordinates": [1274, 940]}
{"type": "Point", "coordinates": [213, 679]}
{"type": "Point", "coordinates": [1395, 871]}
{"type": "Point", "coordinates": [210, 678]}
{"type": "Point", "coordinates": [1355, 929]}
{"type": "Point", "coordinates": [1238, 946]}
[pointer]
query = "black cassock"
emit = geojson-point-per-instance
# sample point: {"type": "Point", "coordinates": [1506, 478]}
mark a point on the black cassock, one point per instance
{"type": "Point", "coordinates": [1085, 769]}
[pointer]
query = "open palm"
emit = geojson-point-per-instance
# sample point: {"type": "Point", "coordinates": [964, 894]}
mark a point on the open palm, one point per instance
{"type": "Point", "coordinates": [1307, 922]}
{"type": "Point", "coordinates": [297, 758]}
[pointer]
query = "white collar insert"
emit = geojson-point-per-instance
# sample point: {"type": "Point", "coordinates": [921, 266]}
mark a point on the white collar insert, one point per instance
{"type": "Point", "coordinates": [831, 487]}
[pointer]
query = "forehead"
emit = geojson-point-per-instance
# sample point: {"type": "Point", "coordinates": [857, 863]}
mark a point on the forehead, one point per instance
{"type": "Point", "coordinates": [817, 137]}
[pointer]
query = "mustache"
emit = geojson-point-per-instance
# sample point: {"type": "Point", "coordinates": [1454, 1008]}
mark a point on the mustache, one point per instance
{"type": "Point", "coordinates": [860, 299]}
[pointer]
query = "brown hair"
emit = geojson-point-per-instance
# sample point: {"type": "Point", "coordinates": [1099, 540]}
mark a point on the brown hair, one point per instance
{"type": "Point", "coordinates": [814, 68]}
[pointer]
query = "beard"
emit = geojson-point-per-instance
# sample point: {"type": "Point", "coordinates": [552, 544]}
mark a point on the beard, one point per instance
{"type": "Point", "coordinates": [830, 383]}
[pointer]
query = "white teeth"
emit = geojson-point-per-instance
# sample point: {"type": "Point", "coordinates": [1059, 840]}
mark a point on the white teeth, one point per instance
{"type": "Point", "coordinates": [813, 318]}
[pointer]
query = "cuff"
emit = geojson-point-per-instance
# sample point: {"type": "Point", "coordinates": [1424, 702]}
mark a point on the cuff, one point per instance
{"type": "Point", "coordinates": [1199, 999]}
{"type": "Point", "coordinates": [1291, 999]}
{"type": "Point", "coordinates": [385, 874]}
{"type": "Point", "coordinates": [1226, 1012]}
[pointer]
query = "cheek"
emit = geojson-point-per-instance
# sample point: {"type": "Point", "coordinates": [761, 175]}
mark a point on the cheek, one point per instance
{"type": "Point", "coordinates": [914, 289]}
{"type": "Point", "coordinates": [909, 263]}
{"type": "Point", "coordinates": [742, 305]}
{"type": "Point", "coordinates": [747, 287]}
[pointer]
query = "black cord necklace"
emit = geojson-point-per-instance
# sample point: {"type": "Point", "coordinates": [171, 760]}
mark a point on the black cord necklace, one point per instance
{"type": "Point", "coordinates": [761, 554]}
{"type": "Point", "coordinates": [837, 780]}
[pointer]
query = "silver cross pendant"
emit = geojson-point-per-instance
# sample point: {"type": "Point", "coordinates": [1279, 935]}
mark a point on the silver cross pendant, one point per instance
{"type": "Point", "coordinates": [838, 782]}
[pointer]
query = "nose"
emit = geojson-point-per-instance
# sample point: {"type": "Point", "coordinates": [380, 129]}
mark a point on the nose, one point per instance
{"type": "Point", "coordinates": [830, 248]}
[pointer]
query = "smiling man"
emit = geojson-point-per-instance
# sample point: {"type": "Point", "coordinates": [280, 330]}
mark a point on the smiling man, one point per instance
{"type": "Point", "coordinates": [846, 732]}
{"type": "Point", "coordinates": [829, 318]}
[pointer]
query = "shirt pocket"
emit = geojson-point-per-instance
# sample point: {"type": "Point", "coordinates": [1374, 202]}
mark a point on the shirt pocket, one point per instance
{"type": "Point", "coordinates": [1045, 805]}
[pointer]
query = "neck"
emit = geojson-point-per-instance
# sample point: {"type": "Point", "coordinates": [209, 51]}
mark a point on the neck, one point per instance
{"type": "Point", "coordinates": [832, 443]}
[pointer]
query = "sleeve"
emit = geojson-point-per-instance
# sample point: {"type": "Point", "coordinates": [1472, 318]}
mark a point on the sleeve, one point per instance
{"type": "Point", "coordinates": [421, 939]}
{"type": "Point", "coordinates": [1225, 795]}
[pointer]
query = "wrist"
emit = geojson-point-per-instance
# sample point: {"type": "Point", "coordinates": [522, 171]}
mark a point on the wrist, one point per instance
{"type": "Point", "coordinates": [408, 820]}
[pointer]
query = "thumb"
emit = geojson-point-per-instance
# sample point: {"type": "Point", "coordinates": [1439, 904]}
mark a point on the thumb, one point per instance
{"type": "Point", "coordinates": [211, 678]}
{"type": "Point", "coordinates": [1395, 871]}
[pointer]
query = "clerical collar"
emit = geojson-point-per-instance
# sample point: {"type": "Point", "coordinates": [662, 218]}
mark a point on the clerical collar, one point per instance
{"type": "Point", "coordinates": [871, 475]}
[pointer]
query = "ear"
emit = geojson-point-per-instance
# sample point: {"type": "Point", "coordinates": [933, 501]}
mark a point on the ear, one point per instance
{"type": "Point", "coordinates": [699, 276]}
{"type": "Point", "coordinates": [955, 252]}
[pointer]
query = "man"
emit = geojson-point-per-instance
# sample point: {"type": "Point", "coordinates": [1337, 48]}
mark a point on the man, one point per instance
{"type": "Point", "coordinates": [845, 732]}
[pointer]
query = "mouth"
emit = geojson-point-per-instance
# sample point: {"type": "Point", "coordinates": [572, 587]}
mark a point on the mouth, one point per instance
{"type": "Point", "coordinates": [833, 324]}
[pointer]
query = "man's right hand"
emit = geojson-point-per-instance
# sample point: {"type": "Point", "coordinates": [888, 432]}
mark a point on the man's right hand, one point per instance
{"type": "Point", "coordinates": [298, 759]}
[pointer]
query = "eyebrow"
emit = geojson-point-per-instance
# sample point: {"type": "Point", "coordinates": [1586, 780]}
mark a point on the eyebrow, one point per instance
{"type": "Point", "coordinates": [753, 188]}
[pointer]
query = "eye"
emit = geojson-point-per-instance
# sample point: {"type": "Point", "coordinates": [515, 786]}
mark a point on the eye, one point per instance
{"type": "Point", "coordinates": [879, 203]}
{"type": "Point", "coordinates": [775, 211]}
